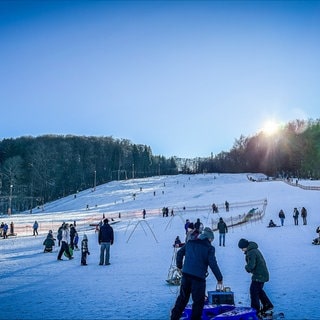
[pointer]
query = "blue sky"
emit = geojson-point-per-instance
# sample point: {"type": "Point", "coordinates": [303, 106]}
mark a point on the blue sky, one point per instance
{"type": "Point", "coordinates": [186, 78]}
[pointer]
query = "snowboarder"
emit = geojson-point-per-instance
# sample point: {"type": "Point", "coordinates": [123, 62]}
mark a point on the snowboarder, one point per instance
{"type": "Point", "coordinates": [256, 265]}
{"type": "Point", "coordinates": [84, 250]}
{"type": "Point", "coordinates": [198, 255]}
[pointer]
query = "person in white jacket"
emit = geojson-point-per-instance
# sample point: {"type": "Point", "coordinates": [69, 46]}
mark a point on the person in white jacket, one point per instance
{"type": "Point", "coordinates": [65, 243]}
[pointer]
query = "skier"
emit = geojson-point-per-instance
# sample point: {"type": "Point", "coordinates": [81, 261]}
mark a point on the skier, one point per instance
{"type": "Point", "coordinates": [256, 265]}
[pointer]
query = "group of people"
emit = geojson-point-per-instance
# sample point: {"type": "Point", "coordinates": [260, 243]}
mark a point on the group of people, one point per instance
{"type": "Point", "coordinates": [193, 259]}
{"type": "Point", "coordinates": [295, 216]}
{"type": "Point", "coordinates": [193, 230]}
{"type": "Point", "coordinates": [67, 237]}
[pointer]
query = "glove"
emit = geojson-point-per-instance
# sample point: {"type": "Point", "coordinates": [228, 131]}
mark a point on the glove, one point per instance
{"type": "Point", "coordinates": [88, 253]}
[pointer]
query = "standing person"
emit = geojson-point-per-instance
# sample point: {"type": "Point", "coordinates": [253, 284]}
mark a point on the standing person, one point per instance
{"type": "Point", "coordinates": [106, 238]}
{"type": "Point", "coordinates": [256, 265]}
{"type": "Point", "coordinates": [65, 243]}
{"type": "Point", "coordinates": [296, 216]}
{"type": "Point", "coordinates": [73, 232]}
{"type": "Point", "coordinates": [304, 215]}
{"type": "Point", "coordinates": [144, 213]}
{"type": "Point", "coordinates": [5, 231]}
{"type": "Point", "coordinates": [223, 229]}
{"type": "Point", "coordinates": [35, 228]}
{"type": "Point", "coordinates": [76, 241]}
{"type": "Point", "coordinates": [282, 217]}
{"type": "Point", "coordinates": [84, 250]}
{"type": "Point", "coordinates": [227, 205]}
{"type": "Point", "coordinates": [198, 225]}
{"type": "Point", "coordinates": [186, 225]}
{"type": "Point", "coordinates": [59, 236]}
{"type": "Point", "coordinates": [198, 255]}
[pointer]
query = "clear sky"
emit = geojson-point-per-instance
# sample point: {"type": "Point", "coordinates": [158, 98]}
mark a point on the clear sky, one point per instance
{"type": "Point", "coordinates": [186, 78]}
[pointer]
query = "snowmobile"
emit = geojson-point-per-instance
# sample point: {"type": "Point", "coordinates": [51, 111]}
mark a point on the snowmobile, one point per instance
{"type": "Point", "coordinates": [220, 305]}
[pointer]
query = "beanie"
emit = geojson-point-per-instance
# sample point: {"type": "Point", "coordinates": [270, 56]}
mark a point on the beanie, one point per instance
{"type": "Point", "coordinates": [243, 243]}
{"type": "Point", "coordinates": [206, 234]}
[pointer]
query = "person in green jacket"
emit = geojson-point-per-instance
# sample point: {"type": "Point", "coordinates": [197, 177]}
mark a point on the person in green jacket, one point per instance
{"type": "Point", "coordinates": [256, 265]}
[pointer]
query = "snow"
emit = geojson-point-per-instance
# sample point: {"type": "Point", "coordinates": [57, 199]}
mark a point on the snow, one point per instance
{"type": "Point", "coordinates": [37, 286]}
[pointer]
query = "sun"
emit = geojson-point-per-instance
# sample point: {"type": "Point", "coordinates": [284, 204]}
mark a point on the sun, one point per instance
{"type": "Point", "coordinates": [270, 127]}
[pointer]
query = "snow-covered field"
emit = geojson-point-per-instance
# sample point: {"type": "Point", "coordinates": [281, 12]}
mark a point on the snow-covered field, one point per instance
{"type": "Point", "coordinates": [35, 285]}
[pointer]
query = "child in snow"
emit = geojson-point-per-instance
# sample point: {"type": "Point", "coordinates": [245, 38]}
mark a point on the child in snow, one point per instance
{"type": "Point", "coordinates": [84, 250]}
{"type": "Point", "coordinates": [49, 242]}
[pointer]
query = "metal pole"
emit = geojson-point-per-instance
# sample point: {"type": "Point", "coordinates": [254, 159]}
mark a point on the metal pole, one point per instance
{"type": "Point", "coordinates": [10, 200]}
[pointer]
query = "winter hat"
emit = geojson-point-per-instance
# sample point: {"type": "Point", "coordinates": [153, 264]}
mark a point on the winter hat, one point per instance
{"type": "Point", "coordinates": [85, 237]}
{"type": "Point", "coordinates": [206, 234]}
{"type": "Point", "coordinates": [243, 243]}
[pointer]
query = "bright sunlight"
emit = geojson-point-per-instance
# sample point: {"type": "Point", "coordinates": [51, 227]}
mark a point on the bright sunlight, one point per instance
{"type": "Point", "coordinates": [270, 127]}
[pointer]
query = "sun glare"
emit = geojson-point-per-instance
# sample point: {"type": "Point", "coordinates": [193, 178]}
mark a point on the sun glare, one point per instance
{"type": "Point", "coordinates": [270, 128]}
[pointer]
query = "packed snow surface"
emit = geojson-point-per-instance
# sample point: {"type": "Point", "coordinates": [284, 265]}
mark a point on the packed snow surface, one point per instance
{"type": "Point", "coordinates": [34, 285]}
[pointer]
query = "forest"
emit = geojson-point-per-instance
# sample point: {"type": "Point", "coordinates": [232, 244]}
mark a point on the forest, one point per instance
{"type": "Point", "coordinates": [35, 170]}
{"type": "Point", "coordinates": [292, 151]}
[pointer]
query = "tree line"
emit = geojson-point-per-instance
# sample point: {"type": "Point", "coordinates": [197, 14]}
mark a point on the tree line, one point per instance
{"type": "Point", "coordinates": [292, 151]}
{"type": "Point", "coordinates": [35, 170]}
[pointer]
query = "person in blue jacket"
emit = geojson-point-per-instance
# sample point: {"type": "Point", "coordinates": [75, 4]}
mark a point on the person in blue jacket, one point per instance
{"type": "Point", "coordinates": [193, 260]}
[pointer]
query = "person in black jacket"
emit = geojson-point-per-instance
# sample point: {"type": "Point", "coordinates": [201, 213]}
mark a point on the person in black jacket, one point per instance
{"type": "Point", "coordinates": [105, 241]}
{"type": "Point", "coordinates": [73, 232]}
{"type": "Point", "coordinates": [223, 229]}
{"type": "Point", "coordinates": [198, 255]}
